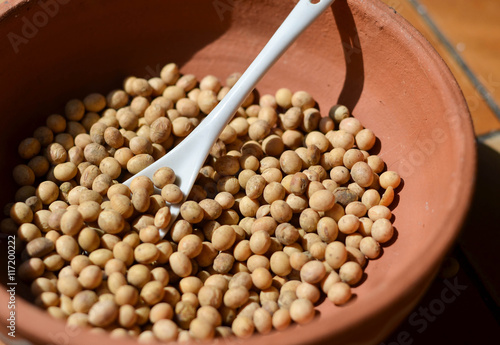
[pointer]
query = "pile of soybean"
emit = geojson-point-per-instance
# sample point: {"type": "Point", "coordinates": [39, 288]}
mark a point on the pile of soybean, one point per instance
{"type": "Point", "coordinates": [288, 208]}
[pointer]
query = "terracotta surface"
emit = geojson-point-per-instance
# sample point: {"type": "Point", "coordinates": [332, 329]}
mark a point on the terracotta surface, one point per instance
{"type": "Point", "coordinates": [386, 72]}
{"type": "Point", "coordinates": [472, 28]}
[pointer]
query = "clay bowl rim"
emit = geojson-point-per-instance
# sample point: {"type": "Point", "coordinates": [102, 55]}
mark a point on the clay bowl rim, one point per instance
{"type": "Point", "coordinates": [422, 273]}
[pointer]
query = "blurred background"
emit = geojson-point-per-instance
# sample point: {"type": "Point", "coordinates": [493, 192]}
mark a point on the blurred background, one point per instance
{"type": "Point", "coordinates": [462, 306]}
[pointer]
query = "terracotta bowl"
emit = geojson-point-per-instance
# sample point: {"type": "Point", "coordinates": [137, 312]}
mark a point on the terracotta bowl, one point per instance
{"type": "Point", "coordinates": [359, 53]}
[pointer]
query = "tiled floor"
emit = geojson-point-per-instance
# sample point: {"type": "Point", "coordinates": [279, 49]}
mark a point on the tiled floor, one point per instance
{"type": "Point", "coordinates": [473, 29]}
{"type": "Point", "coordinates": [466, 34]}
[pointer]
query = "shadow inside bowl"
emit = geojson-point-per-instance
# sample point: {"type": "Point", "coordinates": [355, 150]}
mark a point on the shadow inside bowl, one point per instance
{"type": "Point", "coordinates": [353, 55]}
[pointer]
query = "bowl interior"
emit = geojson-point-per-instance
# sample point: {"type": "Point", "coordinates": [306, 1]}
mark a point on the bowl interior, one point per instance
{"type": "Point", "coordinates": [359, 53]}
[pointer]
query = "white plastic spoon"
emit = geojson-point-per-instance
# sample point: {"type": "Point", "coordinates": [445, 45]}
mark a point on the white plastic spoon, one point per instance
{"type": "Point", "coordinates": [187, 158]}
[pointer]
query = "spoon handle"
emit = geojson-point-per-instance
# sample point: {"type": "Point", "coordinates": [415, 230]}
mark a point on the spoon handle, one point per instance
{"type": "Point", "coordinates": [302, 15]}
{"type": "Point", "coordinates": [196, 146]}
{"type": "Point", "coordinates": [188, 156]}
